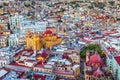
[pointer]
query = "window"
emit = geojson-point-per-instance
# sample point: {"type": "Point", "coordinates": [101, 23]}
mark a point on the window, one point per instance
{"type": "Point", "coordinates": [89, 77]}
{"type": "Point", "coordinates": [63, 68]}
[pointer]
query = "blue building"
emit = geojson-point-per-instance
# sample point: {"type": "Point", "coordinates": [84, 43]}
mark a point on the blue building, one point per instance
{"type": "Point", "coordinates": [114, 65]}
{"type": "Point", "coordinates": [13, 40]}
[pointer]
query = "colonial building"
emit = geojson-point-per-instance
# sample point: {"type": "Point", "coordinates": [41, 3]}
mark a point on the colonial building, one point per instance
{"type": "Point", "coordinates": [49, 39]}
{"type": "Point", "coordinates": [36, 42]}
{"type": "Point", "coordinates": [32, 25]}
{"type": "Point", "coordinates": [13, 40]}
{"type": "Point", "coordinates": [14, 21]}
{"type": "Point", "coordinates": [33, 42]}
{"type": "Point", "coordinates": [4, 60]}
{"type": "Point", "coordinates": [111, 48]}
{"type": "Point", "coordinates": [3, 25]}
{"type": "Point", "coordinates": [63, 66]}
{"type": "Point", "coordinates": [3, 41]}
{"type": "Point", "coordinates": [75, 58]}
{"type": "Point", "coordinates": [95, 68]}
{"type": "Point", "coordinates": [114, 65]}
{"type": "Point", "coordinates": [21, 40]}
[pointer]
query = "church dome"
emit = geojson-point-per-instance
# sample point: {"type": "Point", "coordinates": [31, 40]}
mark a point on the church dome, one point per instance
{"type": "Point", "coordinates": [98, 74]}
{"type": "Point", "coordinates": [48, 32]}
{"type": "Point", "coordinates": [95, 59]}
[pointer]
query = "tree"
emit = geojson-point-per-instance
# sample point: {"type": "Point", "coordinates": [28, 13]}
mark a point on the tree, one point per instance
{"type": "Point", "coordinates": [111, 3]}
{"type": "Point", "coordinates": [60, 21]}
{"type": "Point", "coordinates": [118, 19]}
{"type": "Point", "coordinates": [90, 7]}
{"type": "Point", "coordinates": [1, 6]}
{"type": "Point", "coordinates": [62, 9]}
{"type": "Point", "coordinates": [92, 48]}
{"type": "Point", "coordinates": [101, 5]}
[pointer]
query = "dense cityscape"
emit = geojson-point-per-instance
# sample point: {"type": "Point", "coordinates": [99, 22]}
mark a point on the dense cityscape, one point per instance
{"type": "Point", "coordinates": [59, 39]}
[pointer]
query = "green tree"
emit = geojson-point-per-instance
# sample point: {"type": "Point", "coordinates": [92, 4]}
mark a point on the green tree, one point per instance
{"type": "Point", "coordinates": [1, 6]}
{"type": "Point", "coordinates": [92, 48]}
{"type": "Point", "coordinates": [90, 7]}
{"type": "Point", "coordinates": [118, 19]}
{"type": "Point", "coordinates": [62, 9]}
{"type": "Point", "coordinates": [111, 3]}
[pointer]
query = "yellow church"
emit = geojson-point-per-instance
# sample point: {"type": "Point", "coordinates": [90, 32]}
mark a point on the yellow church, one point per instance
{"type": "Point", "coordinates": [35, 42]}
{"type": "Point", "coordinates": [50, 39]}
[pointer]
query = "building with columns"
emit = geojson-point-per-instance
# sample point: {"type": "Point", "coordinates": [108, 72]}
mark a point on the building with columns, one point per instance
{"type": "Point", "coordinates": [3, 41]}
{"type": "Point", "coordinates": [15, 20]}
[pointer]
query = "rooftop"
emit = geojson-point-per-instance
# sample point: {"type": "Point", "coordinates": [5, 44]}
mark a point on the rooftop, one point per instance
{"type": "Point", "coordinates": [3, 72]}
{"type": "Point", "coordinates": [44, 76]}
{"type": "Point", "coordinates": [117, 58]}
{"type": "Point", "coordinates": [20, 53]}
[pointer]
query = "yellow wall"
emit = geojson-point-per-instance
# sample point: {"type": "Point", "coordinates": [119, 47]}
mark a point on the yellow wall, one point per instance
{"type": "Point", "coordinates": [35, 42]}
{"type": "Point", "coordinates": [50, 41]}
{"type": "Point", "coordinates": [1, 11]}
{"type": "Point", "coordinates": [77, 72]}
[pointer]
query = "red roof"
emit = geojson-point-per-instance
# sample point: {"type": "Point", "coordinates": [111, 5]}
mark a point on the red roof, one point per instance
{"type": "Point", "coordinates": [48, 32]}
{"type": "Point", "coordinates": [45, 54]}
{"type": "Point", "coordinates": [107, 16]}
{"type": "Point", "coordinates": [111, 49]}
{"type": "Point", "coordinates": [65, 55]}
{"type": "Point", "coordinates": [36, 76]}
{"type": "Point", "coordinates": [54, 34]}
{"type": "Point", "coordinates": [118, 36]}
{"type": "Point", "coordinates": [39, 65]}
{"type": "Point", "coordinates": [117, 58]}
{"type": "Point", "coordinates": [93, 32]}
{"type": "Point", "coordinates": [20, 52]}
{"type": "Point", "coordinates": [57, 6]}
{"type": "Point", "coordinates": [98, 73]}
{"type": "Point", "coordinates": [100, 17]}
{"type": "Point", "coordinates": [95, 59]}
{"type": "Point", "coordinates": [1, 33]}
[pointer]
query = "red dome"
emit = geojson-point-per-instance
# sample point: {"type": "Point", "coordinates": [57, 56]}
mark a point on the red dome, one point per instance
{"type": "Point", "coordinates": [48, 32]}
{"type": "Point", "coordinates": [98, 74]}
{"type": "Point", "coordinates": [95, 59]}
